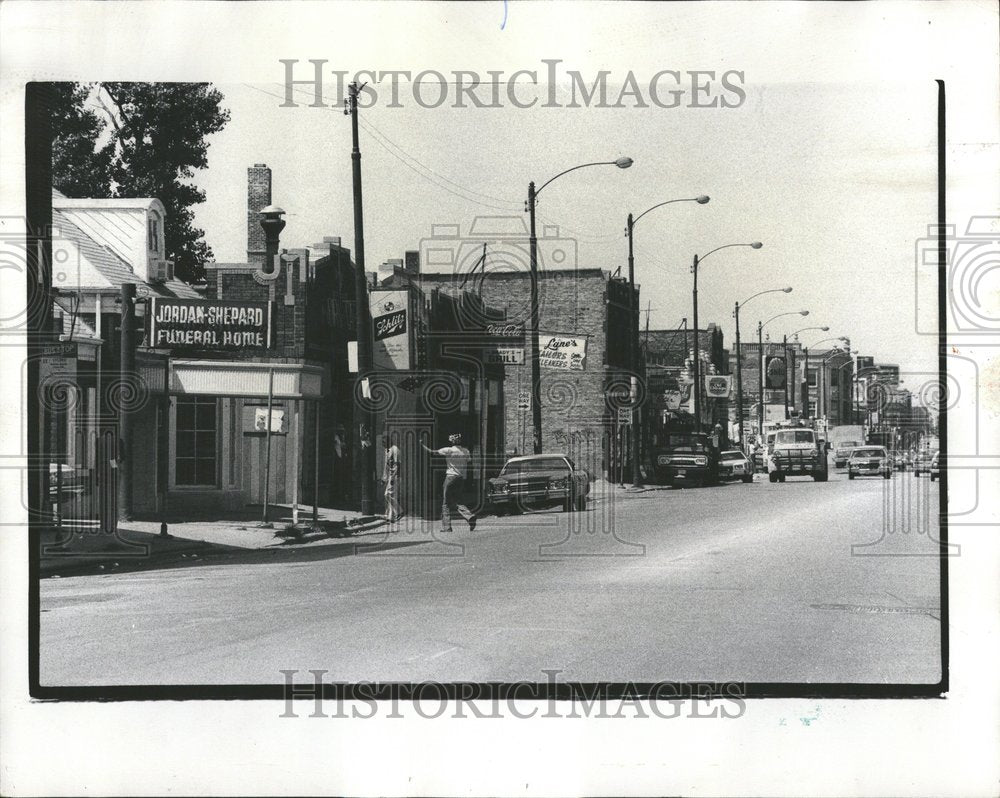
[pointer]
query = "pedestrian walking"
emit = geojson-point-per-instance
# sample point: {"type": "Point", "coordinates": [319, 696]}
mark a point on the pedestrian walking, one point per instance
{"type": "Point", "coordinates": [457, 463]}
{"type": "Point", "coordinates": [390, 476]}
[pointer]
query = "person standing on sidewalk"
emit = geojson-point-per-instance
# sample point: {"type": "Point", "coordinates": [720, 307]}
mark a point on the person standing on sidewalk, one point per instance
{"type": "Point", "coordinates": [457, 463]}
{"type": "Point", "coordinates": [390, 476]}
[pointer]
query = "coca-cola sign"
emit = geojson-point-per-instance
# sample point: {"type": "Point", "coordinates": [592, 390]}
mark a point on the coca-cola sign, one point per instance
{"type": "Point", "coordinates": [508, 332]}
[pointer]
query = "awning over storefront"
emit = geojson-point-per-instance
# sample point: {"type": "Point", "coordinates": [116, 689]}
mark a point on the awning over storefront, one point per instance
{"type": "Point", "coordinates": [242, 378]}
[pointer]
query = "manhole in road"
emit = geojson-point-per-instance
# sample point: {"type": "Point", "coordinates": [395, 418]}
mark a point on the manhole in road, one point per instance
{"type": "Point", "coordinates": [878, 609]}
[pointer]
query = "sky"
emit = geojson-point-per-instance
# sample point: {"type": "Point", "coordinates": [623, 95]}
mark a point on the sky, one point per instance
{"type": "Point", "coordinates": [838, 182]}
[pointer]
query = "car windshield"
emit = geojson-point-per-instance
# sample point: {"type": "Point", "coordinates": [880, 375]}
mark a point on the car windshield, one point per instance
{"type": "Point", "coordinates": [794, 436]}
{"type": "Point", "coordinates": [535, 466]}
{"type": "Point", "coordinates": [726, 456]}
{"type": "Point", "coordinates": [868, 452]}
{"type": "Point", "coordinates": [848, 445]}
{"type": "Point", "coordinates": [685, 443]}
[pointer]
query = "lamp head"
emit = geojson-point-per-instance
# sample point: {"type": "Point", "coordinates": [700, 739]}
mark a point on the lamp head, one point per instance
{"type": "Point", "coordinates": [787, 290]}
{"type": "Point", "coordinates": [803, 312]}
{"type": "Point", "coordinates": [702, 200]}
{"type": "Point", "coordinates": [756, 245]}
{"type": "Point", "coordinates": [623, 163]}
{"type": "Point", "coordinates": [825, 329]}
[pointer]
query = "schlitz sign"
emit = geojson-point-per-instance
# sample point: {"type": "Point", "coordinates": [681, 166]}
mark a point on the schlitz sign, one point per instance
{"type": "Point", "coordinates": [390, 329]}
{"type": "Point", "coordinates": [209, 324]}
{"type": "Point", "coordinates": [390, 324]}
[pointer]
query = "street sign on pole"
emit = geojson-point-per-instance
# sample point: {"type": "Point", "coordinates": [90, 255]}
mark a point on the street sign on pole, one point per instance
{"type": "Point", "coordinates": [625, 415]}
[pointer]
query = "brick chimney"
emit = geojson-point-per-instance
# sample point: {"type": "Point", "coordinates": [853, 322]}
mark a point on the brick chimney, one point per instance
{"type": "Point", "coordinates": [258, 197]}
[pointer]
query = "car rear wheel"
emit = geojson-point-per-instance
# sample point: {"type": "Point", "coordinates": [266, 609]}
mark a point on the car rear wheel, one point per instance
{"type": "Point", "coordinates": [821, 476]}
{"type": "Point", "coordinates": [581, 504]}
{"type": "Point", "coordinates": [886, 475]}
{"type": "Point", "coordinates": [850, 475]}
{"type": "Point", "coordinates": [748, 478]}
{"type": "Point", "coordinates": [773, 476]}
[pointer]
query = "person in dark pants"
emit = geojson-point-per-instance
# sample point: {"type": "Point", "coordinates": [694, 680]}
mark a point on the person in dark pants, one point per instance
{"type": "Point", "coordinates": [457, 464]}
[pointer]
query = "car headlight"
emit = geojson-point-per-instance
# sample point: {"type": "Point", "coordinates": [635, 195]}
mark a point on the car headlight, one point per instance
{"type": "Point", "coordinates": [500, 487]}
{"type": "Point", "coordinates": [663, 460]}
{"type": "Point", "coordinates": [701, 461]}
{"type": "Point", "coordinates": [558, 483]}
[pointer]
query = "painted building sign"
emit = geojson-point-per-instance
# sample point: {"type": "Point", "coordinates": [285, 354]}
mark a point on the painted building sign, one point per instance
{"type": "Point", "coordinates": [506, 344]}
{"type": "Point", "coordinates": [568, 352]}
{"type": "Point", "coordinates": [391, 324]}
{"type": "Point", "coordinates": [209, 324]}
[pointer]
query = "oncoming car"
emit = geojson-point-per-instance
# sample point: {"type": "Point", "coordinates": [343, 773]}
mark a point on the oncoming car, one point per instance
{"type": "Point", "coordinates": [539, 480]}
{"type": "Point", "coordinates": [935, 466]}
{"type": "Point", "coordinates": [733, 464]}
{"type": "Point", "coordinates": [870, 461]}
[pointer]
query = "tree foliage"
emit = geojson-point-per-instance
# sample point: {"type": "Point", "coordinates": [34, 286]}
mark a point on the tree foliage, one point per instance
{"type": "Point", "coordinates": [140, 140]}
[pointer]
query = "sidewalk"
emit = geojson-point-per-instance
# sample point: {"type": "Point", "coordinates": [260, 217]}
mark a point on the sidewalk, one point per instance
{"type": "Point", "coordinates": [141, 541]}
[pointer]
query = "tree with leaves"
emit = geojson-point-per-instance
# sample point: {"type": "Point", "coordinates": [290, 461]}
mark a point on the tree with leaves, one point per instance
{"type": "Point", "coordinates": [140, 140]}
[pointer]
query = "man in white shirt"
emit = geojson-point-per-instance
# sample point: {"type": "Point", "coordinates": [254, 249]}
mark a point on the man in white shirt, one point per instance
{"type": "Point", "coordinates": [457, 464]}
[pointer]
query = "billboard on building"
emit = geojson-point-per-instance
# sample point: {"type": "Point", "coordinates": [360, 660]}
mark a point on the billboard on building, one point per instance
{"type": "Point", "coordinates": [774, 373]}
{"type": "Point", "coordinates": [557, 351]}
{"type": "Point", "coordinates": [209, 324]}
{"type": "Point", "coordinates": [391, 329]}
{"type": "Point", "coordinates": [718, 386]}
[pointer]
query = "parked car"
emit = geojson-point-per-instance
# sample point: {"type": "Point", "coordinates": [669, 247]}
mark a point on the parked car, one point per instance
{"type": "Point", "coordinates": [539, 480]}
{"type": "Point", "coordinates": [733, 464]}
{"type": "Point", "coordinates": [872, 461]}
{"type": "Point", "coordinates": [843, 453]}
{"type": "Point", "coordinates": [922, 462]}
{"type": "Point", "coordinates": [935, 468]}
{"type": "Point", "coordinates": [900, 460]}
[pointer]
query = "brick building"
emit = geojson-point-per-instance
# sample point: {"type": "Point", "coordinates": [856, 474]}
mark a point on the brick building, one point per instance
{"type": "Point", "coordinates": [583, 334]}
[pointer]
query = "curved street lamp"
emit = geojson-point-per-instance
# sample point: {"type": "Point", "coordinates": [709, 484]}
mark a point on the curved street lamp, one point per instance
{"type": "Point", "coordinates": [760, 351]}
{"type": "Point", "coordinates": [822, 364]}
{"type": "Point", "coordinates": [536, 369]}
{"type": "Point", "coordinates": [805, 404]}
{"type": "Point", "coordinates": [697, 354]}
{"type": "Point", "coordinates": [634, 331]}
{"type": "Point", "coordinates": [739, 356]}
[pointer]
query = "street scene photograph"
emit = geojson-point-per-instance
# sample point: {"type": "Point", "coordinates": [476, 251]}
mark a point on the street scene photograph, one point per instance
{"type": "Point", "coordinates": [499, 398]}
{"type": "Point", "coordinates": [478, 377]}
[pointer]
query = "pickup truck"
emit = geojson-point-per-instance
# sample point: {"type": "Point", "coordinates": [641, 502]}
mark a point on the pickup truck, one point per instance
{"type": "Point", "coordinates": [796, 452]}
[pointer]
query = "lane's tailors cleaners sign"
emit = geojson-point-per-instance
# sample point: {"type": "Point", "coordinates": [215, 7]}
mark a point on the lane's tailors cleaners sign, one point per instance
{"type": "Point", "coordinates": [567, 352]}
{"type": "Point", "coordinates": [209, 324]}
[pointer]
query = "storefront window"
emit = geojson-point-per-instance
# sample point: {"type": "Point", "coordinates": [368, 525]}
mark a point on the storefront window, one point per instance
{"type": "Point", "coordinates": [197, 441]}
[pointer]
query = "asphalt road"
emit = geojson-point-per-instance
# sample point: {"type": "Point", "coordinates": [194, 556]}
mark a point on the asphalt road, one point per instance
{"type": "Point", "coordinates": [792, 582]}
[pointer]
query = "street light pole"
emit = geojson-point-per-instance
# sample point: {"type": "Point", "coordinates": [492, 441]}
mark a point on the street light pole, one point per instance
{"type": "Point", "coordinates": [697, 354]}
{"type": "Point", "coordinates": [760, 372]}
{"type": "Point", "coordinates": [696, 364]}
{"type": "Point", "coordinates": [634, 338]}
{"type": "Point", "coordinates": [739, 378]}
{"type": "Point", "coordinates": [366, 452]}
{"type": "Point", "coordinates": [536, 368]}
{"type": "Point", "coordinates": [739, 354]}
{"type": "Point", "coordinates": [762, 364]}
{"type": "Point", "coordinates": [536, 365]}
